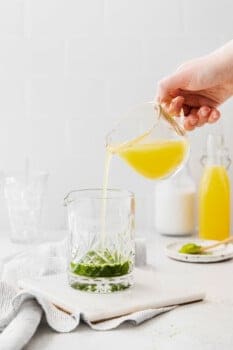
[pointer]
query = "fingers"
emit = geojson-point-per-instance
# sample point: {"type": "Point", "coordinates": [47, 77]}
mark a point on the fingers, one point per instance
{"type": "Point", "coordinates": [188, 126]}
{"type": "Point", "coordinates": [214, 116]}
{"type": "Point", "coordinates": [175, 106]}
{"type": "Point", "coordinates": [195, 116]}
{"type": "Point", "coordinates": [199, 117]}
{"type": "Point", "coordinates": [203, 114]}
{"type": "Point", "coordinates": [191, 120]}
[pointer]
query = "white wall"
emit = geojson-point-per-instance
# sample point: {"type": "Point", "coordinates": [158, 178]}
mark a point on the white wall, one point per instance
{"type": "Point", "coordinates": [68, 68]}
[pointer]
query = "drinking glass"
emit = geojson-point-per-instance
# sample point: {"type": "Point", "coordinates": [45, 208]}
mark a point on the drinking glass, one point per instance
{"type": "Point", "coordinates": [24, 198]}
{"type": "Point", "coordinates": [101, 239]}
{"type": "Point", "coordinates": [152, 142]}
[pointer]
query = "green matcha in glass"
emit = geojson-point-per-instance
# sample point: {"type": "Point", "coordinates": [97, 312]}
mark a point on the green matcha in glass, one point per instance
{"type": "Point", "coordinates": [101, 240]}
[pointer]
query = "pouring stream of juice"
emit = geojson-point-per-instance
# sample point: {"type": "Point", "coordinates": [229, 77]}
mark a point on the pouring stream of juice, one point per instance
{"type": "Point", "coordinates": [108, 157]}
{"type": "Point", "coordinates": [110, 151]}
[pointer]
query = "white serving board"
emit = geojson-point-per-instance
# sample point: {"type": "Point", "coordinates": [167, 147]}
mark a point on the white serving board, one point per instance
{"type": "Point", "coordinates": [220, 253]}
{"type": "Point", "coordinates": [151, 290]}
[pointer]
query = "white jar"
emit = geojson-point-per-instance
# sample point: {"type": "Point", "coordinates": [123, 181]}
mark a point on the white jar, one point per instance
{"type": "Point", "coordinates": [175, 204]}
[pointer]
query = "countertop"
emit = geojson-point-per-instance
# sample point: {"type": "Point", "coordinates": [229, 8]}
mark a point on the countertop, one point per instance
{"type": "Point", "coordinates": [204, 325]}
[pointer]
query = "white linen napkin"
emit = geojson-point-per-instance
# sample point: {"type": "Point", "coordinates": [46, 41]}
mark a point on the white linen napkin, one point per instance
{"type": "Point", "coordinates": [21, 312]}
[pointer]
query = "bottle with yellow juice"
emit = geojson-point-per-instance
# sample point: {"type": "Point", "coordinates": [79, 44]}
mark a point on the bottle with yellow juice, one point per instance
{"type": "Point", "coordinates": [214, 191]}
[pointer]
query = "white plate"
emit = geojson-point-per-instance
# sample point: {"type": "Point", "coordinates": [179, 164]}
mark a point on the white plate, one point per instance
{"type": "Point", "coordinates": [221, 253]}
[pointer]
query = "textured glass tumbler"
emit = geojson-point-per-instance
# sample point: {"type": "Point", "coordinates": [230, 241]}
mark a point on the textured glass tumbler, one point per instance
{"type": "Point", "coordinates": [24, 198]}
{"type": "Point", "coordinates": [101, 240]}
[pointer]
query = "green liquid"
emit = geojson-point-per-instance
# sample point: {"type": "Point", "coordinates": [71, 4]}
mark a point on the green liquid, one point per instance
{"type": "Point", "coordinates": [102, 264]}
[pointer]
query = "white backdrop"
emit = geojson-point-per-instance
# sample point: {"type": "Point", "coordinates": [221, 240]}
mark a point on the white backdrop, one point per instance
{"type": "Point", "coordinates": [69, 68]}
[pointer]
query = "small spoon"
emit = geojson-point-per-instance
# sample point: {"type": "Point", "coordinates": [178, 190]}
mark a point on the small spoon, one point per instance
{"type": "Point", "coordinates": [192, 248]}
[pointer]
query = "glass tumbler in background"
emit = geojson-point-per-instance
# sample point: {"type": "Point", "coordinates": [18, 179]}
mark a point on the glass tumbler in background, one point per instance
{"type": "Point", "coordinates": [101, 240]}
{"type": "Point", "coordinates": [24, 198]}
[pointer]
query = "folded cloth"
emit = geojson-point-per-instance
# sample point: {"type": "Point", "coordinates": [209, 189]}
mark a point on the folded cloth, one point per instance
{"type": "Point", "coordinates": [56, 318]}
{"type": "Point", "coordinates": [21, 312]}
{"type": "Point", "coordinates": [23, 324]}
{"type": "Point", "coordinates": [44, 259]}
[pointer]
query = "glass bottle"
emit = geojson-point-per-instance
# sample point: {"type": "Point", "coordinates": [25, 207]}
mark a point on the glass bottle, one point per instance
{"type": "Point", "coordinates": [214, 191]}
{"type": "Point", "coordinates": [175, 204]}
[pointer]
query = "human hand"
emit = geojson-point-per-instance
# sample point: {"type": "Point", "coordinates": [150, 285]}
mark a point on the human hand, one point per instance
{"type": "Point", "coordinates": [198, 87]}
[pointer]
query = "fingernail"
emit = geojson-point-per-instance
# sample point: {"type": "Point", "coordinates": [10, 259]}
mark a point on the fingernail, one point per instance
{"type": "Point", "coordinates": [193, 121]}
{"type": "Point", "coordinates": [204, 111]}
{"type": "Point", "coordinates": [189, 127]}
{"type": "Point", "coordinates": [213, 117]}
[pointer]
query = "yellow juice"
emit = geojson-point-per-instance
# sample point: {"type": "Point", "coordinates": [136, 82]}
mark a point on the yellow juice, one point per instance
{"type": "Point", "coordinates": [154, 160]}
{"type": "Point", "coordinates": [214, 203]}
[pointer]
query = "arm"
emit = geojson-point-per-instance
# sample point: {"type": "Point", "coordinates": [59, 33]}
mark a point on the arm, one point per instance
{"type": "Point", "coordinates": [199, 87]}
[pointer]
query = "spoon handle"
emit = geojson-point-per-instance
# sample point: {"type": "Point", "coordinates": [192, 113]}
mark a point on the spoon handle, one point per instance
{"type": "Point", "coordinates": [225, 241]}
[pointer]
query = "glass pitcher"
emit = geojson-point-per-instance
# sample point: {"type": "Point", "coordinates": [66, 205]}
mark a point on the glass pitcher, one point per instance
{"type": "Point", "coordinates": [152, 142]}
{"type": "Point", "coordinates": [101, 249]}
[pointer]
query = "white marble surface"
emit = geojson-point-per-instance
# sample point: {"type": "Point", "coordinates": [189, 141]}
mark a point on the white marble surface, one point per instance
{"type": "Point", "coordinates": [206, 325]}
